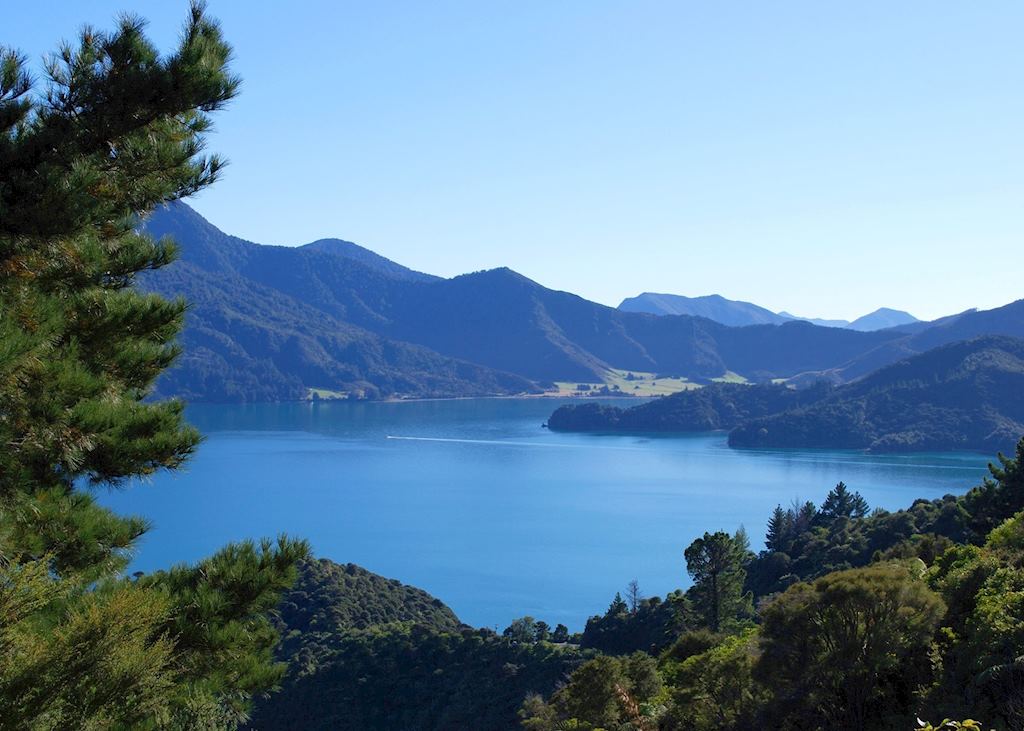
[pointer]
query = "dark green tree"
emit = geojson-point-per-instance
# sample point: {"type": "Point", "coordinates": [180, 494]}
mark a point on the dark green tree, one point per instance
{"type": "Point", "coordinates": [804, 517]}
{"type": "Point", "coordinates": [561, 633]}
{"type": "Point", "coordinates": [841, 503]}
{"type": "Point", "coordinates": [716, 563]}
{"type": "Point", "coordinates": [641, 671]}
{"type": "Point", "coordinates": [999, 497]}
{"type": "Point", "coordinates": [593, 692]}
{"type": "Point", "coordinates": [605, 692]}
{"type": "Point", "coordinates": [618, 606]}
{"type": "Point", "coordinates": [780, 527]}
{"type": "Point", "coordinates": [523, 629]}
{"type": "Point", "coordinates": [115, 130]}
{"type": "Point", "coordinates": [849, 649]}
{"type": "Point", "coordinates": [715, 689]}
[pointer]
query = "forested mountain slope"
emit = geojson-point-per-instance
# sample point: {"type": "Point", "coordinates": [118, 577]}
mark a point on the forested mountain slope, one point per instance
{"type": "Point", "coordinates": [712, 408]}
{"type": "Point", "coordinates": [366, 652]}
{"type": "Point", "coordinates": [967, 395]}
{"type": "Point", "coordinates": [249, 341]}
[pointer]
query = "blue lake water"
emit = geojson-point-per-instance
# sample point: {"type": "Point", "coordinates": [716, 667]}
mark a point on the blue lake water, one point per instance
{"type": "Point", "coordinates": [474, 502]}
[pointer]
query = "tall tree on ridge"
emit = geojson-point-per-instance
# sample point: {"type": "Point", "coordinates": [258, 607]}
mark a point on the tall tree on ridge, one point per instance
{"type": "Point", "coordinates": [780, 525]}
{"type": "Point", "coordinates": [841, 503]}
{"type": "Point", "coordinates": [716, 562]}
{"type": "Point", "coordinates": [633, 595]}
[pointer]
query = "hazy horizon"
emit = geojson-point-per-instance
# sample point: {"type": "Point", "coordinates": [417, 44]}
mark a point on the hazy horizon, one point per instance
{"type": "Point", "coordinates": [824, 161]}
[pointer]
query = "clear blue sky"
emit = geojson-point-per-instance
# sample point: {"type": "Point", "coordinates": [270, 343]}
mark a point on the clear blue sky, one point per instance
{"type": "Point", "coordinates": [823, 158]}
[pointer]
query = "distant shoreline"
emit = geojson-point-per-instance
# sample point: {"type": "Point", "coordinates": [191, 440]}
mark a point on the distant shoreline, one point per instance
{"type": "Point", "coordinates": [511, 397]}
{"type": "Point", "coordinates": [394, 400]}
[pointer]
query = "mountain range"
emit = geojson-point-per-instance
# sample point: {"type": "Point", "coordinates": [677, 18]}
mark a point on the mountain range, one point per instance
{"type": "Point", "coordinates": [333, 318]}
{"type": "Point", "coordinates": [737, 313]}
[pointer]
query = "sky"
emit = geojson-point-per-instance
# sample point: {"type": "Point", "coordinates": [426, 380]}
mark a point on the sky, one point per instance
{"type": "Point", "coordinates": [820, 158]}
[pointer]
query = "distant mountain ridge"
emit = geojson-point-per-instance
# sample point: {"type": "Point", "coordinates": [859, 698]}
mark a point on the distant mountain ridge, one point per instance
{"type": "Point", "coordinates": [882, 318]}
{"type": "Point", "coordinates": [713, 306]}
{"type": "Point", "coordinates": [736, 313]}
{"type": "Point", "coordinates": [279, 323]}
{"type": "Point", "coordinates": [819, 321]}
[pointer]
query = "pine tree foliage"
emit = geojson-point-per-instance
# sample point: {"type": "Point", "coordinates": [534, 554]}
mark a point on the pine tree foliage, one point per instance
{"type": "Point", "coordinates": [113, 130]}
{"type": "Point", "coordinates": [998, 497]}
{"type": "Point", "coordinates": [716, 563]}
{"type": "Point", "coordinates": [841, 503]}
{"type": "Point", "coordinates": [780, 525]}
{"type": "Point", "coordinates": [116, 131]}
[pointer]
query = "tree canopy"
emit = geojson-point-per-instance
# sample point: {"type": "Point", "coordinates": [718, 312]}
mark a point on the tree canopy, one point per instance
{"type": "Point", "coordinates": [864, 621]}
{"type": "Point", "coordinates": [716, 563]}
{"type": "Point", "coordinates": [114, 130]}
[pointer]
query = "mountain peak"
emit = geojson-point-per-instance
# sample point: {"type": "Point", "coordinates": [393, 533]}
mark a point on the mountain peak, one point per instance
{"type": "Point", "coordinates": [882, 318]}
{"type": "Point", "coordinates": [712, 306]}
{"type": "Point", "coordinates": [355, 252]}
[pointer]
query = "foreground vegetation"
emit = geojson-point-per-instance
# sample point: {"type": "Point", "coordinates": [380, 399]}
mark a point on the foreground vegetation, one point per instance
{"type": "Point", "coordinates": [115, 131]}
{"type": "Point", "coordinates": [365, 652]}
{"type": "Point", "coordinates": [848, 619]}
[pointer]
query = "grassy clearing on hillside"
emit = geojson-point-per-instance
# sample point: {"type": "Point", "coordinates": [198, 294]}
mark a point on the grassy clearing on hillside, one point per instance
{"type": "Point", "coordinates": [325, 394]}
{"type": "Point", "coordinates": [617, 381]}
{"type": "Point", "coordinates": [730, 377]}
{"type": "Point", "coordinates": [627, 383]}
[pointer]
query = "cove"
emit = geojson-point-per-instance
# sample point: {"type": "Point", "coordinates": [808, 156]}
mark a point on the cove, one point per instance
{"type": "Point", "coordinates": [474, 502]}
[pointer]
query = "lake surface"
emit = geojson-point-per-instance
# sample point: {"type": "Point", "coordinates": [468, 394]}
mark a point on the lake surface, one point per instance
{"type": "Point", "coordinates": [474, 502]}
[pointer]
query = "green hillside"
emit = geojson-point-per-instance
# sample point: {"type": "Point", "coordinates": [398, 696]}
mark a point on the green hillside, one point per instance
{"type": "Point", "coordinates": [967, 395]}
{"type": "Point", "coordinates": [366, 652]}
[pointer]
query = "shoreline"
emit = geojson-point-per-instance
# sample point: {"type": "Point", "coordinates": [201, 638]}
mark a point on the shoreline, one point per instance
{"type": "Point", "coordinates": [398, 400]}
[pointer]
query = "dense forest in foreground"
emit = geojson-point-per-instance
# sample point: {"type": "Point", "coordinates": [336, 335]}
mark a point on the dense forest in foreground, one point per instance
{"type": "Point", "coordinates": [967, 395]}
{"type": "Point", "coordinates": [850, 618]}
